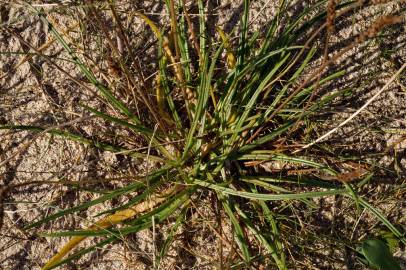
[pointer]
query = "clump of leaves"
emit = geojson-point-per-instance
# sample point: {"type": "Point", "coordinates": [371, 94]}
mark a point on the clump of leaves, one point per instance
{"type": "Point", "coordinates": [221, 108]}
{"type": "Point", "coordinates": [378, 255]}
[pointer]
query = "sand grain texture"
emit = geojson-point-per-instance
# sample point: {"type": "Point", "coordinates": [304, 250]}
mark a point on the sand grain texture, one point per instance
{"type": "Point", "coordinates": [37, 93]}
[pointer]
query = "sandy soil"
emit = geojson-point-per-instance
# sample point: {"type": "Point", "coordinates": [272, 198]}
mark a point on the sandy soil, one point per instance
{"type": "Point", "coordinates": [36, 93]}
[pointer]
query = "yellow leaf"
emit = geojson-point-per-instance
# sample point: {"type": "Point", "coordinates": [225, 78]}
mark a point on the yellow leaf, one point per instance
{"type": "Point", "coordinates": [107, 222]}
{"type": "Point", "coordinates": [226, 41]}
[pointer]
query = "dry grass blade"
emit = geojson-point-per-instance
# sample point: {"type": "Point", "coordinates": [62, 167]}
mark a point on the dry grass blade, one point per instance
{"type": "Point", "coordinates": [38, 50]}
{"type": "Point", "coordinates": [241, 104]}
{"type": "Point", "coordinates": [5, 190]}
{"type": "Point", "coordinates": [27, 144]}
{"type": "Point", "coordinates": [191, 31]}
{"type": "Point", "coordinates": [142, 93]}
{"type": "Point", "coordinates": [109, 221]}
{"type": "Point", "coordinates": [177, 68]}
{"type": "Point", "coordinates": [388, 83]}
{"type": "Point", "coordinates": [369, 33]}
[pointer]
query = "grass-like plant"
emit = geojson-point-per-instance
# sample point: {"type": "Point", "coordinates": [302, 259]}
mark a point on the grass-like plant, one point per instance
{"type": "Point", "coordinates": [221, 107]}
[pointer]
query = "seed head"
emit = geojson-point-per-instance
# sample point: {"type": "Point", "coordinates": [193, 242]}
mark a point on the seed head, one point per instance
{"type": "Point", "coordinates": [331, 15]}
{"type": "Point", "coordinates": [374, 29]}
